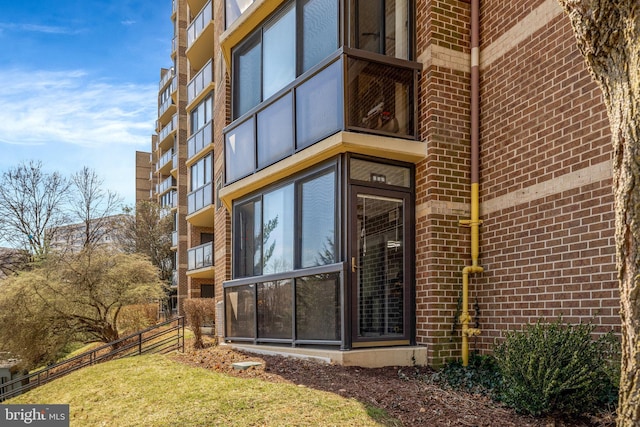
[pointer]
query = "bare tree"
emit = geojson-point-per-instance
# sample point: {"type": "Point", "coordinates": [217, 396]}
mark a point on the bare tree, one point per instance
{"type": "Point", "coordinates": [31, 206]}
{"type": "Point", "coordinates": [93, 206]}
{"type": "Point", "coordinates": [13, 261]}
{"type": "Point", "coordinates": [72, 297]}
{"type": "Point", "coordinates": [148, 231]}
{"type": "Point", "coordinates": [608, 36]}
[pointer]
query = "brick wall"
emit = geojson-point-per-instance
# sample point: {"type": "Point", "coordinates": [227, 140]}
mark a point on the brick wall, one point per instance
{"type": "Point", "coordinates": [547, 238]}
{"type": "Point", "coordinates": [222, 117]}
{"type": "Point", "coordinates": [545, 181]}
{"type": "Point", "coordinates": [442, 179]}
{"type": "Point", "coordinates": [181, 137]}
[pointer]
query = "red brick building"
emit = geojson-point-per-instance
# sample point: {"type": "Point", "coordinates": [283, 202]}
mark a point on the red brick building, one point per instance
{"type": "Point", "coordinates": [342, 165]}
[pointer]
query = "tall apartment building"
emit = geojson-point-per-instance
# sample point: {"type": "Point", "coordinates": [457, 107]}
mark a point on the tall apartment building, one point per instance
{"type": "Point", "coordinates": [371, 156]}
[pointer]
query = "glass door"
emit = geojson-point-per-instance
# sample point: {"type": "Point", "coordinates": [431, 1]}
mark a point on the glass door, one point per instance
{"type": "Point", "coordinates": [379, 262]}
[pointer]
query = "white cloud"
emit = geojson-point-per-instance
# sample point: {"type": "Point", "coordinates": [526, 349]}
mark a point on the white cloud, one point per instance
{"type": "Point", "coordinates": [43, 107]}
{"type": "Point", "coordinates": [37, 28]}
{"type": "Point", "coordinates": [67, 121]}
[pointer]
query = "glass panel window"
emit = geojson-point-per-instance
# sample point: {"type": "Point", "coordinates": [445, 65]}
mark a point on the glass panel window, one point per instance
{"type": "Point", "coordinates": [275, 131]}
{"type": "Point", "coordinates": [279, 55]}
{"type": "Point", "coordinates": [201, 173]}
{"type": "Point", "coordinates": [247, 72]}
{"type": "Point", "coordinates": [381, 26]}
{"type": "Point", "coordinates": [277, 230]}
{"type": "Point", "coordinates": [319, 106]}
{"type": "Point", "coordinates": [318, 215]}
{"type": "Point", "coordinates": [248, 239]}
{"type": "Point", "coordinates": [380, 97]}
{"type": "Point", "coordinates": [318, 307]}
{"type": "Point", "coordinates": [240, 151]}
{"type": "Point", "coordinates": [201, 115]}
{"type": "Point", "coordinates": [319, 31]}
{"type": "Point", "coordinates": [275, 309]}
{"type": "Point", "coordinates": [289, 227]}
{"type": "Point", "coordinates": [379, 173]}
{"type": "Point", "coordinates": [381, 250]}
{"type": "Point", "coordinates": [235, 8]}
{"type": "Point", "coordinates": [240, 311]}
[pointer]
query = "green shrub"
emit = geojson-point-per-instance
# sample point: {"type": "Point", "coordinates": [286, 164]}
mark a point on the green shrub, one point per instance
{"type": "Point", "coordinates": [481, 376]}
{"type": "Point", "coordinates": [553, 367]}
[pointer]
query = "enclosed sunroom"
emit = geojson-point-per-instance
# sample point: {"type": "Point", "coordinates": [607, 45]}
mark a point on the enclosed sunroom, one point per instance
{"type": "Point", "coordinates": [319, 173]}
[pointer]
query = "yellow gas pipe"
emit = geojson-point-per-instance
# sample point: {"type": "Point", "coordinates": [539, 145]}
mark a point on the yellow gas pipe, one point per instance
{"type": "Point", "coordinates": [465, 318]}
{"type": "Point", "coordinates": [475, 221]}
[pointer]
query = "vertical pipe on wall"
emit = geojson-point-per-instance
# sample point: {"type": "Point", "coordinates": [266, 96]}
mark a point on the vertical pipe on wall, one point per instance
{"type": "Point", "coordinates": [474, 222]}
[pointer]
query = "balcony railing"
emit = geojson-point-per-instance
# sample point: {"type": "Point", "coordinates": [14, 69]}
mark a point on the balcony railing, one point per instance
{"type": "Point", "coordinates": [200, 198]}
{"type": "Point", "coordinates": [200, 81]}
{"type": "Point", "coordinates": [164, 159]}
{"type": "Point", "coordinates": [165, 106]}
{"type": "Point", "coordinates": [353, 91]}
{"type": "Point", "coordinates": [199, 140]}
{"type": "Point", "coordinates": [165, 185]}
{"type": "Point", "coordinates": [199, 23]}
{"type": "Point", "coordinates": [166, 77]}
{"type": "Point", "coordinates": [262, 309]}
{"type": "Point", "coordinates": [200, 256]}
{"type": "Point", "coordinates": [170, 127]}
{"type": "Point", "coordinates": [169, 200]}
{"type": "Point", "coordinates": [233, 10]}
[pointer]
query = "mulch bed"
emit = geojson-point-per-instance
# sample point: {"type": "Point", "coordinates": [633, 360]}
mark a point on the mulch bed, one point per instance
{"type": "Point", "coordinates": [403, 392]}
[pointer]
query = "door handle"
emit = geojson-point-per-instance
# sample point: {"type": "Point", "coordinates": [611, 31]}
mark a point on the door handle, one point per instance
{"type": "Point", "coordinates": [354, 266]}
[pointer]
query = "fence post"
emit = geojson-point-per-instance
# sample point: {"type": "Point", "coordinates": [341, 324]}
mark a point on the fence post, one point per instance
{"type": "Point", "coordinates": [139, 343]}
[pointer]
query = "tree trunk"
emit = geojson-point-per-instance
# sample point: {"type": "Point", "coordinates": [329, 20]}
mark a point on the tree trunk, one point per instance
{"type": "Point", "coordinates": [608, 35]}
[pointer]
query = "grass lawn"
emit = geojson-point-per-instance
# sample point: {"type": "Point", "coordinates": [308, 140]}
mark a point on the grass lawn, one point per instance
{"type": "Point", "coordinates": [155, 391]}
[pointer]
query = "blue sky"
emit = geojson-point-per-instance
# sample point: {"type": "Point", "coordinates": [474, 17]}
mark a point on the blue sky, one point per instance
{"type": "Point", "coordinates": [79, 84]}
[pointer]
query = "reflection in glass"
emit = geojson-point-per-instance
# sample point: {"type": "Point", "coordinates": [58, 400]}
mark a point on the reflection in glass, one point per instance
{"type": "Point", "coordinates": [318, 221]}
{"type": "Point", "coordinates": [318, 307]}
{"type": "Point", "coordinates": [275, 131]}
{"type": "Point", "coordinates": [278, 230]}
{"type": "Point", "coordinates": [247, 239]}
{"type": "Point", "coordinates": [275, 309]}
{"type": "Point", "coordinates": [380, 26]}
{"type": "Point", "coordinates": [279, 56]}
{"type": "Point", "coordinates": [233, 9]}
{"type": "Point", "coordinates": [239, 151]}
{"type": "Point", "coordinates": [240, 311]}
{"type": "Point", "coordinates": [247, 77]}
{"type": "Point", "coordinates": [319, 31]}
{"type": "Point", "coordinates": [319, 106]}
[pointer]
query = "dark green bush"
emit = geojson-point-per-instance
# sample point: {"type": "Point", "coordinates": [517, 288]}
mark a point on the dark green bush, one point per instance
{"type": "Point", "coordinates": [481, 376]}
{"type": "Point", "coordinates": [555, 367]}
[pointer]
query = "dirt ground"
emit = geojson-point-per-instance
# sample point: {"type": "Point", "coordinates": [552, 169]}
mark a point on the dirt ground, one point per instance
{"type": "Point", "coordinates": [402, 392]}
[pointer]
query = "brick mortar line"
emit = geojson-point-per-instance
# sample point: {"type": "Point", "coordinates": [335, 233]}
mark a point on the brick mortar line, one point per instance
{"type": "Point", "coordinates": [596, 173]}
{"type": "Point", "coordinates": [569, 181]}
{"type": "Point", "coordinates": [439, 56]}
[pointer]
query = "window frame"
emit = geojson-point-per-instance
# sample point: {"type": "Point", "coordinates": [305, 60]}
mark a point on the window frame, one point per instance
{"type": "Point", "coordinates": [257, 37]}
{"type": "Point", "coordinates": [332, 166]}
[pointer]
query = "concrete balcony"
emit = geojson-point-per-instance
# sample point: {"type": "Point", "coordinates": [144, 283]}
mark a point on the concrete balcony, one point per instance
{"type": "Point", "coordinates": [200, 85]}
{"type": "Point", "coordinates": [200, 261]}
{"type": "Point", "coordinates": [200, 34]}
